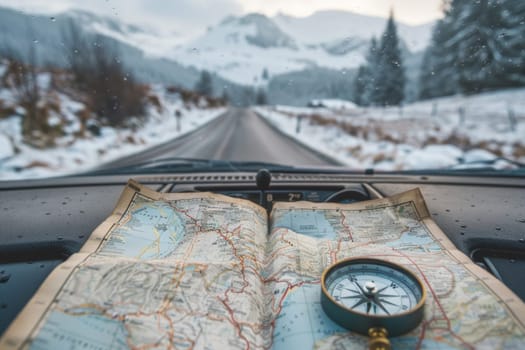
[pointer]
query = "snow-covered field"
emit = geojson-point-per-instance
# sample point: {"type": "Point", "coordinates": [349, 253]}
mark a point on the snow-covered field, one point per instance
{"type": "Point", "coordinates": [447, 132]}
{"type": "Point", "coordinates": [72, 154]}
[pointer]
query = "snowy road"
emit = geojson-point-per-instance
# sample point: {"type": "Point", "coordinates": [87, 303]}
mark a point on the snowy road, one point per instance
{"type": "Point", "coordinates": [237, 135]}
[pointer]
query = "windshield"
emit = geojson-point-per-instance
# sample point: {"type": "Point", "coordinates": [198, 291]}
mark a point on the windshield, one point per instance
{"type": "Point", "coordinates": [390, 85]}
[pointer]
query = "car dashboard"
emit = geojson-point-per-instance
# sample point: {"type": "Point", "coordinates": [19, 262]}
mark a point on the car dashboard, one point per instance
{"type": "Point", "coordinates": [43, 222]}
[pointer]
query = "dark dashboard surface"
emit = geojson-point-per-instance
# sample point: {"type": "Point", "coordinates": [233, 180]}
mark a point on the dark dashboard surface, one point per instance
{"type": "Point", "coordinates": [43, 222]}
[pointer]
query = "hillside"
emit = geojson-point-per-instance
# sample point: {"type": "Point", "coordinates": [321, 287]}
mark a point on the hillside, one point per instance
{"type": "Point", "coordinates": [69, 137]}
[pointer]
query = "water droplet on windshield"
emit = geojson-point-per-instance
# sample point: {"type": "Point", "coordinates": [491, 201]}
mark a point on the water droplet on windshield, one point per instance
{"type": "Point", "coordinates": [4, 277]}
{"type": "Point", "coordinates": [35, 41]}
{"type": "Point", "coordinates": [53, 19]}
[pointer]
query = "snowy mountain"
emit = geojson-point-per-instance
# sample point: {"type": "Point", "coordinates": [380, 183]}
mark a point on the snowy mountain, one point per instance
{"type": "Point", "coordinates": [140, 48]}
{"type": "Point", "coordinates": [247, 50]}
{"type": "Point", "coordinates": [241, 48]}
{"type": "Point", "coordinates": [151, 41]}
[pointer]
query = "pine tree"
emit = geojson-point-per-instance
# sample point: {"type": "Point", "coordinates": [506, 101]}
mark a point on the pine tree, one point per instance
{"type": "Point", "coordinates": [389, 76]}
{"type": "Point", "coordinates": [225, 96]}
{"type": "Point", "coordinates": [439, 70]}
{"type": "Point", "coordinates": [247, 97]}
{"type": "Point", "coordinates": [261, 98]}
{"type": "Point", "coordinates": [359, 85]}
{"type": "Point", "coordinates": [371, 78]}
{"type": "Point", "coordinates": [475, 57]}
{"type": "Point", "coordinates": [204, 85]}
{"type": "Point", "coordinates": [490, 46]}
{"type": "Point", "coordinates": [478, 46]}
{"type": "Point", "coordinates": [511, 59]}
{"type": "Point", "coordinates": [364, 83]}
{"type": "Point", "coordinates": [265, 75]}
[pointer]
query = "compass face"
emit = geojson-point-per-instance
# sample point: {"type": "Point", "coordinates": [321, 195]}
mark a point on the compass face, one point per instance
{"type": "Point", "coordinates": [363, 293]}
{"type": "Point", "coordinates": [373, 289]}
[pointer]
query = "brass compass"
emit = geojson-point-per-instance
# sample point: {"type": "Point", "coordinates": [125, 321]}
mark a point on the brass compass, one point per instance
{"type": "Point", "coordinates": [373, 297]}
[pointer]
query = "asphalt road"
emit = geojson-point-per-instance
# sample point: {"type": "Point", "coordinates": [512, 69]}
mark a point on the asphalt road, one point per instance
{"type": "Point", "coordinates": [237, 135]}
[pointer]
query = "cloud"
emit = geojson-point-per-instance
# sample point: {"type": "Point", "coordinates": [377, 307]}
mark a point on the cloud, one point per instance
{"type": "Point", "coordinates": [408, 11]}
{"type": "Point", "coordinates": [179, 15]}
{"type": "Point", "coordinates": [191, 17]}
{"type": "Point", "coordinates": [200, 11]}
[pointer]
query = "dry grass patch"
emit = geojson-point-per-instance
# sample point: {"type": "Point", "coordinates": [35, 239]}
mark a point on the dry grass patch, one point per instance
{"type": "Point", "coordinates": [38, 164]}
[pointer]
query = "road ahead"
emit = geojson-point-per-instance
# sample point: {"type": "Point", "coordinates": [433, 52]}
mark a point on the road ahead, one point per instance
{"type": "Point", "coordinates": [237, 135]}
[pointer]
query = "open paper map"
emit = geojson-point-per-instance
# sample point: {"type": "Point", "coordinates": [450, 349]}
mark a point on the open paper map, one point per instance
{"type": "Point", "coordinates": [206, 271]}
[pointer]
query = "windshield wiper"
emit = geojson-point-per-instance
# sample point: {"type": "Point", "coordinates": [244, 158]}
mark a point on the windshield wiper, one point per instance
{"type": "Point", "coordinates": [490, 167]}
{"type": "Point", "coordinates": [180, 164]}
{"type": "Point", "coordinates": [488, 164]}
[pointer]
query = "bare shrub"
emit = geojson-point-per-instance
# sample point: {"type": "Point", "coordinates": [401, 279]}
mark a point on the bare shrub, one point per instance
{"type": "Point", "coordinates": [155, 101]}
{"type": "Point", "coordinates": [518, 150]}
{"type": "Point", "coordinates": [22, 78]}
{"type": "Point", "coordinates": [111, 93]}
{"type": "Point", "coordinates": [38, 164]}
{"type": "Point", "coordinates": [382, 157]}
{"type": "Point", "coordinates": [193, 98]}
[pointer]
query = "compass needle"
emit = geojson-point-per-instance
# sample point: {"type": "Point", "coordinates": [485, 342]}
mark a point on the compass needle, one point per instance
{"type": "Point", "coordinates": [352, 290]}
{"type": "Point", "coordinates": [378, 303]}
{"type": "Point", "coordinates": [360, 302]}
{"type": "Point", "coordinates": [360, 288]}
{"type": "Point", "coordinates": [382, 289]}
{"type": "Point", "coordinates": [351, 297]}
{"type": "Point", "coordinates": [387, 302]}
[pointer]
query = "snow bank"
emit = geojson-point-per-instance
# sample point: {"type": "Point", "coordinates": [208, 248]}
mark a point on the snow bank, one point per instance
{"type": "Point", "coordinates": [439, 133]}
{"type": "Point", "coordinates": [74, 155]}
{"type": "Point", "coordinates": [334, 104]}
{"type": "Point", "coordinates": [6, 147]}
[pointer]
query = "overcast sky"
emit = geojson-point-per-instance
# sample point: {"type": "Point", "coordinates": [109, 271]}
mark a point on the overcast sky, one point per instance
{"type": "Point", "coordinates": [194, 15]}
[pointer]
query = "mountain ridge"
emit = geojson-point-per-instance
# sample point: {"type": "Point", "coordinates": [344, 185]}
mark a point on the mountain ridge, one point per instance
{"type": "Point", "coordinates": [249, 50]}
{"type": "Point", "coordinates": [240, 48]}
